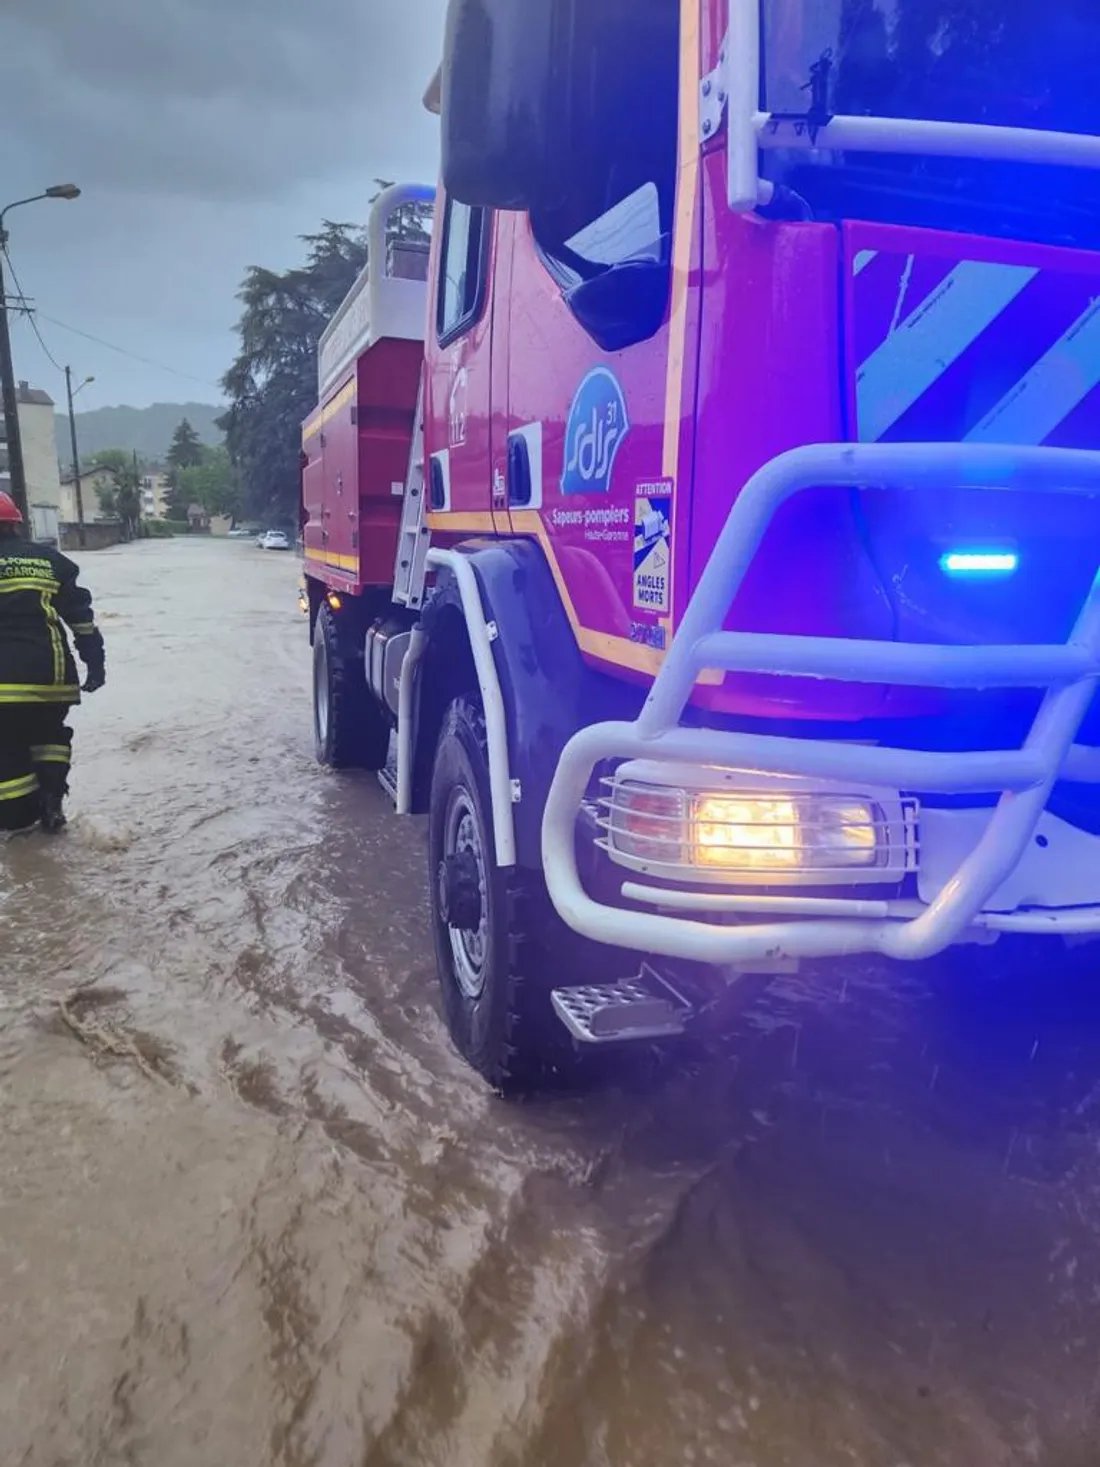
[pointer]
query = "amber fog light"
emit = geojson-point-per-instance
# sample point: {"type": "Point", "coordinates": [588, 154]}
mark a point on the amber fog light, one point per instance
{"type": "Point", "coordinates": [744, 832]}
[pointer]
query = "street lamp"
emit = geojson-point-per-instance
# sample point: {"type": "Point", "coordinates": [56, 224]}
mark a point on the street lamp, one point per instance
{"type": "Point", "coordinates": [7, 369]}
{"type": "Point", "coordinates": [72, 392]}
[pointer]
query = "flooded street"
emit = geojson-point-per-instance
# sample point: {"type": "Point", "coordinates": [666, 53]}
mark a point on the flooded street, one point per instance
{"type": "Point", "coordinates": [254, 1211]}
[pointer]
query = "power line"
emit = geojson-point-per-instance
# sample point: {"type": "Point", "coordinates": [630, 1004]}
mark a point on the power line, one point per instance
{"type": "Point", "coordinates": [29, 312]}
{"type": "Point", "coordinates": [122, 351]}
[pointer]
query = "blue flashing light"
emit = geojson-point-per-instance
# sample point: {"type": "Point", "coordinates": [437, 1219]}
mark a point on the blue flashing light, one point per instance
{"type": "Point", "coordinates": [979, 562]}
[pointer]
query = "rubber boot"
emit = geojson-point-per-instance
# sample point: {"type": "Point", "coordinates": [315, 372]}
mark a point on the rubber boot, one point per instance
{"type": "Point", "coordinates": [53, 815]}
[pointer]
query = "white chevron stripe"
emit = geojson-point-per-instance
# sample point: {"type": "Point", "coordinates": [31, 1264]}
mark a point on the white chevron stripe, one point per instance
{"type": "Point", "coordinates": [903, 291]}
{"type": "Point", "coordinates": [924, 346]}
{"type": "Point", "coordinates": [1057, 383]}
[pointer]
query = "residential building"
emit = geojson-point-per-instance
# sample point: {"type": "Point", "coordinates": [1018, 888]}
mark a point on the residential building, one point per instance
{"type": "Point", "coordinates": [91, 482]}
{"type": "Point", "coordinates": [155, 487]}
{"type": "Point", "coordinates": [40, 466]}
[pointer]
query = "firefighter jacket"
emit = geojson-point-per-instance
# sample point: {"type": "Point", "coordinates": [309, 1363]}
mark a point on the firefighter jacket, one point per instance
{"type": "Point", "coordinates": [39, 591]}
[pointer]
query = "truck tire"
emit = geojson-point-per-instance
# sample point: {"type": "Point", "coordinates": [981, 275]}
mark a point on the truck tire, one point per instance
{"type": "Point", "coordinates": [486, 922]}
{"type": "Point", "coordinates": [350, 729]}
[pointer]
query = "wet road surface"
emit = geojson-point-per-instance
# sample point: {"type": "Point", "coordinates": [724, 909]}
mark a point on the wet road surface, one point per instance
{"type": "Point", "coordinates": [253, 1211]}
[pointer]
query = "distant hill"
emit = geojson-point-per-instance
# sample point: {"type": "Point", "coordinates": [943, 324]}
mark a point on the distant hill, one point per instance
{"type": "Point", "coordinates": [148, 430]}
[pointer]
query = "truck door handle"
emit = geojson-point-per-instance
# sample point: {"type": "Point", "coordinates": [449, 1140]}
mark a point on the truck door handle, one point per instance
{"type": "Point", "coordinates": [436, 490]}
{"type": "Point", "coordinates": [519, 470]}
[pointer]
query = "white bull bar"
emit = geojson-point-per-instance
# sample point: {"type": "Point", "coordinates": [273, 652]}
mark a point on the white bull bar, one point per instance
{"type": "Point", "coordinates": [1023, 777]}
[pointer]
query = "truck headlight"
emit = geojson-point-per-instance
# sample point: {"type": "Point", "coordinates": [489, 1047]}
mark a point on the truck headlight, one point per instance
{"type": "Point", "coordinates": [746, 833]}
{"type": "Point", "coordinates": [684, 833]}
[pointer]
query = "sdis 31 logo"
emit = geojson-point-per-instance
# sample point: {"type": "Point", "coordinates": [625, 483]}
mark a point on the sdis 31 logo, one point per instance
{"type": "Point", "coordinates": [597, 426]}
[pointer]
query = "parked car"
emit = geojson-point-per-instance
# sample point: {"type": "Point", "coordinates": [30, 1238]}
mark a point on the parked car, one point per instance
{"type": "Point", "coordinates": [276, 540]}
{"type": "Point", "coordinates": [240, 534]}
{"type": "Point", "coordinates": [261, 540]}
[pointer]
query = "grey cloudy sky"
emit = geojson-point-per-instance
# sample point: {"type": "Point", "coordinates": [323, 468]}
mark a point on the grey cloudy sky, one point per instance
{"type": "Point", "coordinates": [206, 135]}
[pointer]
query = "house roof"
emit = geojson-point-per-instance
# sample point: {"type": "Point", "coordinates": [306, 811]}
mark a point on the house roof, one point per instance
{"type": "Point", "coordinates": [25, 393]}
{"type": "Point", "coordinates": [94, 472]}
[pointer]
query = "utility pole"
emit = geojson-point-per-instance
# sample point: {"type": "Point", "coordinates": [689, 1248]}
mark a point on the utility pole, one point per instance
{"type": "Point", "coordinates": [7, 368]}
{"type": "Point", "coordinates": [81, 530]}
{"type": "Point", "coordinates": [11, 404]}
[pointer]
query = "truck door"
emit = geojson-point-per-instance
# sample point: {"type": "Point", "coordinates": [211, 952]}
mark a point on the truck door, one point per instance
{"type": "Point", "coordinates": [601, 365]}
{"type": "Point", "coordinates": [459, 388]}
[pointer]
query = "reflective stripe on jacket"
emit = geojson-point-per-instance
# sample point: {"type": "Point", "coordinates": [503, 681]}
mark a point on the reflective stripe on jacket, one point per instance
{"type": "Point", "coordinates": [39, 591]}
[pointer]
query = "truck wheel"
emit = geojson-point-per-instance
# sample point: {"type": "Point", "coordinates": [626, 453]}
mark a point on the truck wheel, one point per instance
{"type": "Point", "coordinates": [485, 921]}
{"type": "Point", "coordinates": [350, 730]}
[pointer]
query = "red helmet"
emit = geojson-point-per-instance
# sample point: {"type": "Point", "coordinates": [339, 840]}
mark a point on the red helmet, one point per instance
{"type": "Point", "coordinates": [9, 510]}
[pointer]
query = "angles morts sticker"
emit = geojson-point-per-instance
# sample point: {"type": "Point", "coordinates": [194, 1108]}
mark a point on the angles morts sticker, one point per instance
{"type": "Point", "coordinates": [597, 426]}
{"type": "Point", "coordinates": [653, 546]}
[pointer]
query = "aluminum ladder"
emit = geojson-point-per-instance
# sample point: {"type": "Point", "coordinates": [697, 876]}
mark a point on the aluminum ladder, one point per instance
{"type": "Point", "coordinates": [414, 538]}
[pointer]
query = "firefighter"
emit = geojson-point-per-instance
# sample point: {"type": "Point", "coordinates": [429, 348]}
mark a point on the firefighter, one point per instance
{"type": "Point", "coordinates": [38, 678]}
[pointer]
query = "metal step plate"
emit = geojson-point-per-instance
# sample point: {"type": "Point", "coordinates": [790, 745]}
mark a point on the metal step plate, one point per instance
{"type": "Point", "coordinates": [387, 777]}
{"type": "Point", "coordinates": [645, 1007]}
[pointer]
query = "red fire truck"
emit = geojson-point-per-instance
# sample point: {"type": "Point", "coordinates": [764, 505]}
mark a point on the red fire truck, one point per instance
{"type": "Point", "coordinates": [711, 521]}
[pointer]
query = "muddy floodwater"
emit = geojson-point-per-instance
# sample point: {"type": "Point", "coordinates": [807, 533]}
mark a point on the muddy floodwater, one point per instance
{"type": "Point", "coordinates": [255, 1213]}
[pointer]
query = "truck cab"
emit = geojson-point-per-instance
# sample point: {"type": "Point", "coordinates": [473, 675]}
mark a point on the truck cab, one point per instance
{"type": "Point", "coordinates": [743, 594]}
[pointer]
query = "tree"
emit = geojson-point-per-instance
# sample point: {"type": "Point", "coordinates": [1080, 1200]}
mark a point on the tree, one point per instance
{"type": "Point", "coordinates": [272, 384]}
{"type": "Point", "coordinates": [176, 500]}
{"type": "Point", "coordinates": [185, 453]}
{"type": "Point", "coordinates": [211, 483]}
{"type": "Point", "coordinates": [122, 497]}
{"type": "Point", "coordinates": [186, 449]}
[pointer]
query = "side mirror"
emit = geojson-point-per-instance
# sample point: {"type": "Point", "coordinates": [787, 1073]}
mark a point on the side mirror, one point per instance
{"type": "Point", "coordinates": [501, 108]}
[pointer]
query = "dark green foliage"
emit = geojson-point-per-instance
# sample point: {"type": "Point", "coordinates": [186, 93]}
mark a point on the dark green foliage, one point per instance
{"type": "Point", "coordinates": [272, 385]}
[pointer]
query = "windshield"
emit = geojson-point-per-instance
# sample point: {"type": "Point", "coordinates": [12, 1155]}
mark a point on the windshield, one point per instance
{"type": "Point", "coordinates": [1012, 63]}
